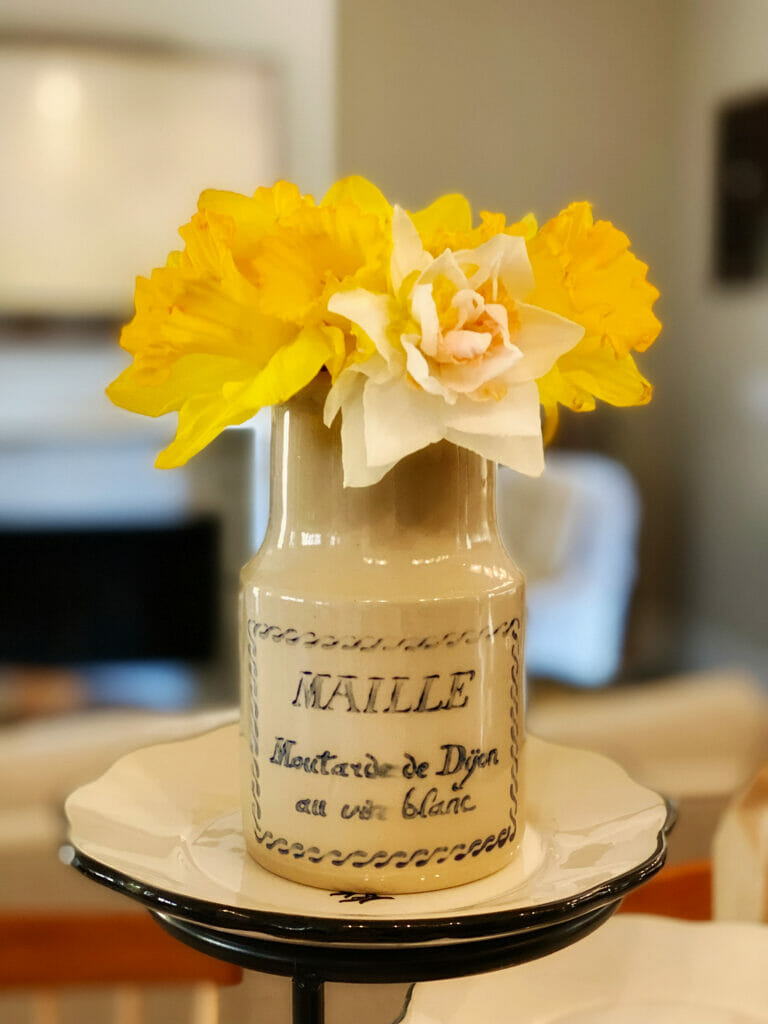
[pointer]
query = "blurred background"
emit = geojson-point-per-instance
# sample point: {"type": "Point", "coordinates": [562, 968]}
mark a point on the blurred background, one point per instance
{"type": "Point", "coordinates": [645, 543]}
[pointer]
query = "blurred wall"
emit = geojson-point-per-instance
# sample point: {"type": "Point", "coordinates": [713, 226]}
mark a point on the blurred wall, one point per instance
{"type": "Point", "coordinates": [520, 104]}
{"type": "Point", "coordinates": [296, 37]}
{"type": "Point", "coordinates": [720, 351]}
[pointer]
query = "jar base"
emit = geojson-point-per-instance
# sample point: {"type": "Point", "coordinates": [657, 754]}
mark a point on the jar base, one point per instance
{"type": "Point", "coordinates": [385, 882]}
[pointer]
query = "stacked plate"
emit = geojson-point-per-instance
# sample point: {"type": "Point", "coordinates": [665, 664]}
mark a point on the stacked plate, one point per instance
{"type": "Point", "coordinates": [163, 825]}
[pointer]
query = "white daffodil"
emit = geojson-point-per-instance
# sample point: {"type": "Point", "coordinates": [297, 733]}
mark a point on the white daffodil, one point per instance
{"type": "Point", "coordinates": [457, 354]}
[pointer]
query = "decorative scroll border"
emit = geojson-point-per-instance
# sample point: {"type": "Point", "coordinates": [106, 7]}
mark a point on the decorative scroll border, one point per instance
{"type": "Point", "coordinates": [382, 858]}
{"type": "Point", "coordinates": [514, 716]}
{"type": "Point", "coordinates": [261, 631]}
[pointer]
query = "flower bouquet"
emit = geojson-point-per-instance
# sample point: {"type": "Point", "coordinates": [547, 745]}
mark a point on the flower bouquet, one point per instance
{"type": "Point", "coordinates": [405, 354]}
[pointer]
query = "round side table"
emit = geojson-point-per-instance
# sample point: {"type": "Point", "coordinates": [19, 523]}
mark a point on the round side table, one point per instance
{"type": "Point", "coordinates": [310, 966]}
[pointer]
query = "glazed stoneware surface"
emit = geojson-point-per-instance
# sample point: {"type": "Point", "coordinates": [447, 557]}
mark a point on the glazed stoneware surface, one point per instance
{"type": "Point", "coordinates": [165, 825]}
{"type": "Point", "coordinates": [381, 654]}
{"type": "Point", "coordinates": [635, 970]}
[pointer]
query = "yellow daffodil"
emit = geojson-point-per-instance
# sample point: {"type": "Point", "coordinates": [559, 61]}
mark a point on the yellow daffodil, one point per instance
{"type": "Point", "coordinates": [238, 319]}
{"type": "Point", "coordinates": [585, 272]}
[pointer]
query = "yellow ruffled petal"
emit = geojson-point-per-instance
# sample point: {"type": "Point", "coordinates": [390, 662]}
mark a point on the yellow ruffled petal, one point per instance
{"type": "Point", "coordinates": [145, 391]}
{"type": "Point", "coordinates": [578, 381]}
{"type": "Point", "coordinates": [448, 215]}
{"type": "Point", "coordinates": [363, 193]}
{"type": "Point", "coordinates": [610, 377]}
{"type": "Point", "coordinates": [250, 217]}
{"type": "Point", "coordinates": [441, 238]}
{"type": "Point", "coordinates": [526, 227]}
{"type": "Point", "coordinates": [293, 366]}
{"type": "Point", "coordinates": [338, 358]}
{"type": "Point", "coordinates": [201, 419]}
{"type": "Point", "coordinates": [201, 303]}
{"type": "Point", "coordinates": [197, 326]}
{"type": "Point", "coordinates": [557, 386]}
{"type": "Point", "coordinates": [256, 212]}
{"type": "Point", "coordinates": [550, 422]}
{"type": "Point", "coordinates": [585, 272]}
{"type": "Point", "coordinates": [310, 255]}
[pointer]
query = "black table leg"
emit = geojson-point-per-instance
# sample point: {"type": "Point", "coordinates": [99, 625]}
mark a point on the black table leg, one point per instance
{"type": "Point", "coordinates": [307, 999]}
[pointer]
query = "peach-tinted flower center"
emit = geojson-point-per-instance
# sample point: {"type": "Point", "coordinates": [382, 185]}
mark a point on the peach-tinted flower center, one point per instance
{"type": "Point", "coordinates": [469, 323]}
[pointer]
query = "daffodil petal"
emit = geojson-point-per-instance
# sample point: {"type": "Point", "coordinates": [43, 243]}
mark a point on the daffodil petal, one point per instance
{"type": "Point", "coordinates": [399, 420]}
{"type": "Point", "coordinates": [448, 213]}
{"type": "Point", "coordinates": [408, 253]}
{"type": "Point", "coordinates": [504, 256]}
{"type": "Point", "coordinates": [418, 367]}
{"type": "Point", "coordinates": [358, 190]}
{"type": "Point", "coordinates": [356, 469]}
{"type": "Point", "coordinates": [468, 344]}
{"type": "Point", "coordinates": [203, 417]}
{"type": "Point", "coordinates": [469, 378]}
{"type": "Point", "coordinates": [525, 454]}
{"type": "Point", "coordinates": [551, 422]}
{"type": "Point", "coordinates": [527, 226]}
{"type": "Point", "coordinates": [543, 337]}
{"type": "Point", "coordinates": [515, 414]}
{"type": "Point", "coordinates": [369, 311]}
{"type": "Point", "coordinates": [313, 253]}
{"type": "Point", "coordinates": [341, 391]}
{"type": "Point", "coordinates": [612, 378]}
{"type": "Point", "coordinates": [425, 314]}
{"type": "Point", "coordinates": [557, 387]}
{"type": "Point", "coordinates": [290, 369]}
{"type": "Point", "coordinates": [253, 215]}
{"type": "Point", "coordinates": [445, 265]}
{"type": "Point", "coordinates": [585, 272]}
{"type": "Point", "coordinates": [188, 376]}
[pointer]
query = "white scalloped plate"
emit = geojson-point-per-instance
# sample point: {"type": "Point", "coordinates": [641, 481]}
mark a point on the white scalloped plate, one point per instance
{"type": "Point", "coordinates": [163, 825]}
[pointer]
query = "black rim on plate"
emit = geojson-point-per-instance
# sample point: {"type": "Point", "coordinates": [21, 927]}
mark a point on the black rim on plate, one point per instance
{"type": "Point", "coordinates": [390, 963]}
{"type": "Point", "coordinates": [357, 931]}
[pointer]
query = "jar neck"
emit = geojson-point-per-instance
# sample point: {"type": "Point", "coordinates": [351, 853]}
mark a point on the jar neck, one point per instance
{"type": "Point", "coordinates": [444, 495]}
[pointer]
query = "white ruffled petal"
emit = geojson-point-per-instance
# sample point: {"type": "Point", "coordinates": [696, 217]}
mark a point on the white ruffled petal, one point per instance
{"type": "Point", "coordinates": [445, 265]}
{"type": "Point", "coordinates": [357, 472]}
{"type": "Point", "coordinates": [399, 419]}
{"type": "Point", "coordinates": [368, 310]}
{"type": "Point", "coordinates": [504, 257]}
{"type": "Point", "coordinates": [418, 367]}
{"type": "Point", "coordinates": [468, 378]}
{"type": "Point", "coordinates": [407, 251]}
{"type": "Point", "coordinates": [524, 454]}
{"type": "Point", "coordinates": [425, 314]}
{"type": "Point", "coordinates": [338, 394]}
{"type": "Point", "coordinates": [460, 344]}
{"type": "Point", "coordinates": [468, 304]}
{"type": "Point", "coordinates": [543, 337]}
{"type": "Point", "coordinates": [515, 414]}
{"type": "Point", "coordinates": [350, 377]}
{"type": "Point", "coordinates": [500, 317]}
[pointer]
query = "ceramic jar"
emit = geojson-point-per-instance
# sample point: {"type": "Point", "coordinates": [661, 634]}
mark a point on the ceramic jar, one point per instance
{"type": "Point", "coordinates": [381, 654]}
